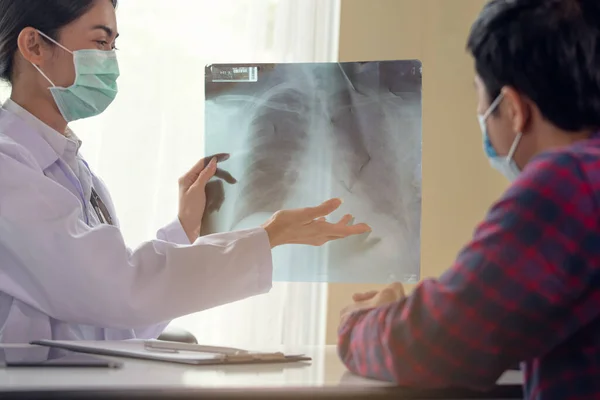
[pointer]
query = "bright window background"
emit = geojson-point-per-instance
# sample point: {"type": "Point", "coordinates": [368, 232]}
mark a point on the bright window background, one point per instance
{"type": "Point", "coordinates": [154, 132]}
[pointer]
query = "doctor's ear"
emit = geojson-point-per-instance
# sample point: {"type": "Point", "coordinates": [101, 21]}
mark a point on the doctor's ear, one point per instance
{"type": "Point", "coordinates": [517, 109]}
{"type": "Point", "coordinates": [32, 46]}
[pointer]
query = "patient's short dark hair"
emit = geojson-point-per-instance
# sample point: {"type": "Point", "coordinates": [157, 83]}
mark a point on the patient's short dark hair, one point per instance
{"type": "Point", "coordinates": [548, 50]}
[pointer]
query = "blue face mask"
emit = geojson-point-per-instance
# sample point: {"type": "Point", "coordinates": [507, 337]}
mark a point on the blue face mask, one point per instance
{"type": "Point", "coordinates": [503, 164]}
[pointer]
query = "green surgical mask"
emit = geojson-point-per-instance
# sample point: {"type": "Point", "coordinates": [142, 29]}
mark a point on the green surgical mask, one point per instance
{"type": "Point", "coordinates": [95, 86]}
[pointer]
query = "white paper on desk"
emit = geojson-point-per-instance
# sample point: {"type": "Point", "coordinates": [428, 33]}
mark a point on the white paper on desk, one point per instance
{"type": "Point", "coordinates": [137, 349]}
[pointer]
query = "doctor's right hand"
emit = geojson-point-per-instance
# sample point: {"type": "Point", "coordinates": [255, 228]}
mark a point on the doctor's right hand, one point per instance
{"type": "Point", "coordinates": [192, 192]}
{"type": "Point", "coordinates": [308, 226]}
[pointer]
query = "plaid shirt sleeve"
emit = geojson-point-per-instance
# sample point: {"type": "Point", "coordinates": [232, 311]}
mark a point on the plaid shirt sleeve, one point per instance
{"type": "Point", "coordinates": [513, 293]}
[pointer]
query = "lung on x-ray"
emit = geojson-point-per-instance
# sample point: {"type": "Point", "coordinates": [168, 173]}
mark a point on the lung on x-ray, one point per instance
{"type": "Point", "coordinates": [301, 133]}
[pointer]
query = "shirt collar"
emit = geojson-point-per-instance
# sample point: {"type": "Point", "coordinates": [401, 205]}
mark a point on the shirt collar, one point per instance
{"type": "Point", "coordinates": [63, 145]}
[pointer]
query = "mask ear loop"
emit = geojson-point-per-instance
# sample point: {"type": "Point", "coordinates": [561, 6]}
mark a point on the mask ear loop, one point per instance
{"type": "Point", "coordinates": [43, 74]}
{"type": "Point", "coordinates": [493, 106]}
{"type": "Point", "coordinates": [517, 140]}
{"type": "Point", "coordinates": [56, 43]}
{"type": "Point", "coordinates": [513, 148]}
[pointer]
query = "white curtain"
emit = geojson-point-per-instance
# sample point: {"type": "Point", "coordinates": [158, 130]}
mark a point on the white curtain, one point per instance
{"type": "Point", "coordinates": [154, 132]}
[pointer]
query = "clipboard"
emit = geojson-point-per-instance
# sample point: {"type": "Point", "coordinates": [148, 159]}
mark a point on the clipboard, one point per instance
{"type": "Point", "coordinates": [173, 352]}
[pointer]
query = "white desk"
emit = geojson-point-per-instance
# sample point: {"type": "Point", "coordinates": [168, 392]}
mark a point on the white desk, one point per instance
{"type": "Point", "coordinates": [324, 377]}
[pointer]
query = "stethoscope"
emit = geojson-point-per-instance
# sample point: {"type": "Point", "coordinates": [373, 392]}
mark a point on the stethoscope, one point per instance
{"type": "Point", "coordinates": [100, 208]}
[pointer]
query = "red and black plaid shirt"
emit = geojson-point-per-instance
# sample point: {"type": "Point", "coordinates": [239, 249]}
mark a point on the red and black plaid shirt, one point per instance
{"type": "Point", "coordinates": [525, 289]}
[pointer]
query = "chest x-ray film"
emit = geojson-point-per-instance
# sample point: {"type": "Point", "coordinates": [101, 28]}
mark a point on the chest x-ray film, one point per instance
{"type": "Point", "coordinates": [299, 134]}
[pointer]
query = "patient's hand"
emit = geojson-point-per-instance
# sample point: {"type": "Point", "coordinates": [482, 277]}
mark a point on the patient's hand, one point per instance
{"type": "Point", "coordinates": [373, 299]}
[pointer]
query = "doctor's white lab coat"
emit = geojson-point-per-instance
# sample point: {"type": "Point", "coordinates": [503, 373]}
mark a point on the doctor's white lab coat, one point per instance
{"type": "Point", "coordinates": [64, 275]}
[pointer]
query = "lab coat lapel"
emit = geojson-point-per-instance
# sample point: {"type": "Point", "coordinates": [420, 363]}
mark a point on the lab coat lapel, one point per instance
{"type": "Point", "coordinates": [25, 135]}
{"type": "Point", "coordinates": [85, 178]}
{"type": "Point", "coordinates": [22, 133]}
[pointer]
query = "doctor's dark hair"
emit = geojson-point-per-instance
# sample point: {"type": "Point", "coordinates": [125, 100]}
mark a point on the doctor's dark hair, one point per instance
{"type": "Point", "coordinates": [548, 50]}
{"type": "Point", "coordinates": [49, 16]}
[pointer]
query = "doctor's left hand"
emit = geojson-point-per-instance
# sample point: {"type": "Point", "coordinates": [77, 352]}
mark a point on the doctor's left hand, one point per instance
{"type": "Point", "coordinates": [193, 192]}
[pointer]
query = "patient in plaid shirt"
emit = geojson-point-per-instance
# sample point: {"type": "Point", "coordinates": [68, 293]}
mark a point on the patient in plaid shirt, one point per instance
{"type": "Point", "coordinates": [526, 289]}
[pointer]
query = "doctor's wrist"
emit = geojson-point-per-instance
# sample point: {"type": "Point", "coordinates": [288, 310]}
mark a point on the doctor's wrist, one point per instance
{"type": "Point", "coordinates": [192, 233]}
{"type": "Point", "coordinates": [273, 233]}
{"type": "Point", "coordinates": [276, 229]}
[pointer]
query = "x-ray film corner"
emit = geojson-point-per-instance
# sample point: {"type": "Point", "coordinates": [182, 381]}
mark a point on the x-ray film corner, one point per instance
{"type": "Point", "coordinates": [302, 133]}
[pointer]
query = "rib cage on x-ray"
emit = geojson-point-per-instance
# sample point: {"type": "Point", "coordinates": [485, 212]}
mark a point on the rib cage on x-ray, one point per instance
{"type": "Point", "coordinates": [303, 133]}
{"type": "Point", "coordinates": [278, 140]}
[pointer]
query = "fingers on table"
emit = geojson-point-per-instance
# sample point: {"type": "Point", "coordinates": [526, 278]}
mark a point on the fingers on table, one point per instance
{"type": "Point", "coordinates": [364, 296]}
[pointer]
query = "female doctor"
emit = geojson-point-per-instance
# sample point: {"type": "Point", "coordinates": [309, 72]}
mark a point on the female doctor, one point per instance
{"type": "Point", "coordinates": [65, 271]}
